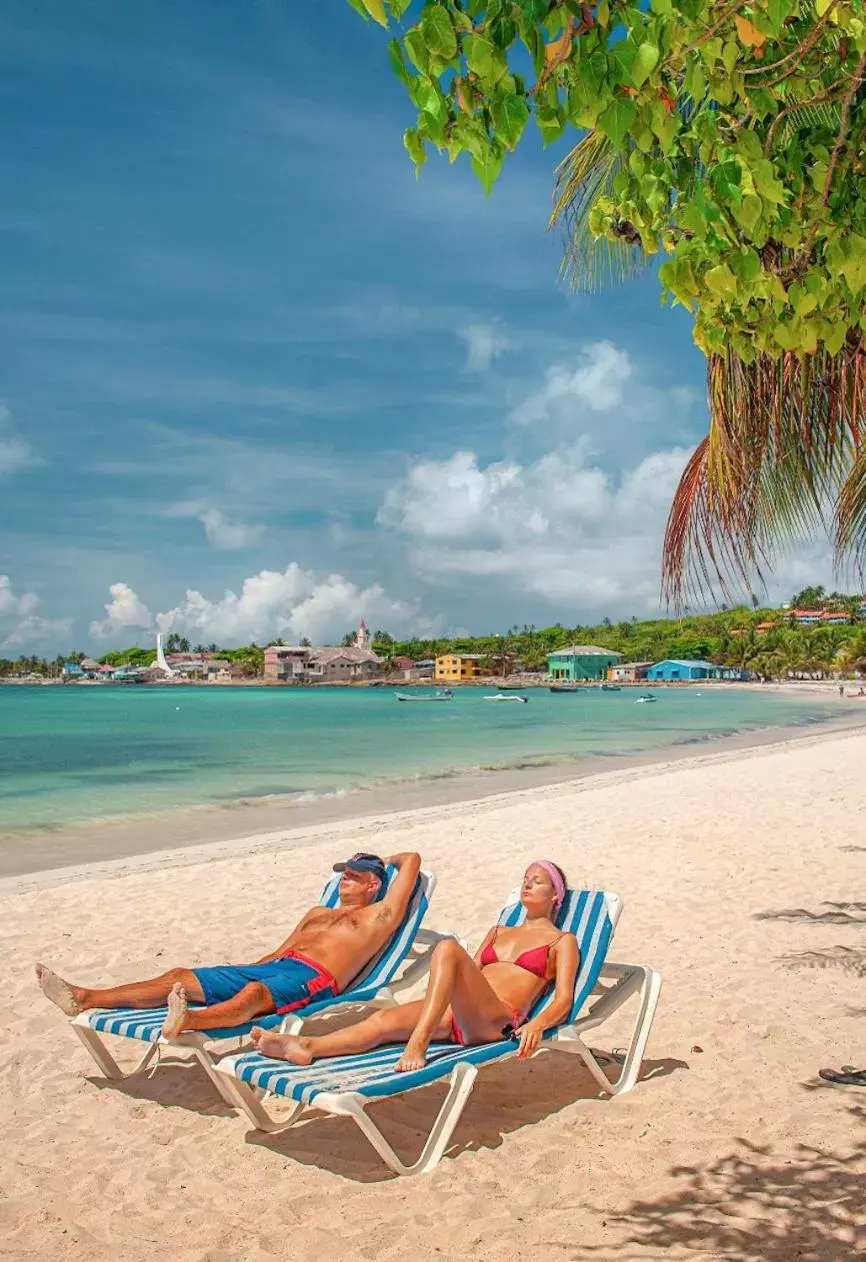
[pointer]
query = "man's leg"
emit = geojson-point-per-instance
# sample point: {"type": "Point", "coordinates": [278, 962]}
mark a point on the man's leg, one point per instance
{"type": "Point", "coordinates": [148, 994]}
{"type": "Point", "coordinates": [389, 1025]}
{"type": "Point", "coordinates": [253, 1000]}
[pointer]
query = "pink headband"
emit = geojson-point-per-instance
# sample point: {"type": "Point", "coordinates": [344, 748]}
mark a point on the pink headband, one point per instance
{"type": "Point", "coordinates": [558, 883]}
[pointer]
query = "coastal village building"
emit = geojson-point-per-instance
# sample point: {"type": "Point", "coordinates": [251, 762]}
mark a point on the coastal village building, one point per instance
{"type": "Point", "coordinates": [456, 668]}
{"type": "Point", "coordinates": [581, 661]}
{"type": "Point", "coordinates": [671, 670]}
{"type": "Point", "coordinates": [628, 672]}
{"type": "Point", "coordinates": [308, 665]}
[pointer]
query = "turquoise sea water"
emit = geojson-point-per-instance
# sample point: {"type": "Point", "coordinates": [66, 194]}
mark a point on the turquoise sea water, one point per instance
{"type": "Point", "coordinates": [72, 755]}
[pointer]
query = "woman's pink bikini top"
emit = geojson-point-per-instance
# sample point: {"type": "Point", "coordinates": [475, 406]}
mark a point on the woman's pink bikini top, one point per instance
{"type": "Point", "coordinates": [534, 961]}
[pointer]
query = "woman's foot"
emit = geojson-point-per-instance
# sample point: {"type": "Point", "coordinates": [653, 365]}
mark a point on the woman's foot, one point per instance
{"type": "Point", "coordinates": [58, 991]}
{"type": "Point", "coordinates": [282, 1046]}
{"type": "Point", "coordinates": [414, 1057]}
{"type": "Point", "coordinates": [177, 1010]}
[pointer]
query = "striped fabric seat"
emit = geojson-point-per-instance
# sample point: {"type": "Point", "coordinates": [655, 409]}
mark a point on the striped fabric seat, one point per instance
{"type": "Point", "coordinates": [584, 913]}
{"type": "Point", "coordinates": [146, 1024]}
{"type": "Point", "coordinates": [371, 985]}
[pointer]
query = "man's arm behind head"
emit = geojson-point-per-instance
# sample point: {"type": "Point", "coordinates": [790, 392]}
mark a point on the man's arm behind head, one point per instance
{"type": "Point", "coordinates": [393, 905]}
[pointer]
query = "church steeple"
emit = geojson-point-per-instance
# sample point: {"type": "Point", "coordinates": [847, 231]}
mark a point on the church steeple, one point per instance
{"type": "Point", "coordinates": [362, 636]}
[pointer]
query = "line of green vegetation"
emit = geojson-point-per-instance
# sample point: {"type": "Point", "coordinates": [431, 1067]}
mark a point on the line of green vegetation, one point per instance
{"type": "Point", "coordinates": [728, 637]}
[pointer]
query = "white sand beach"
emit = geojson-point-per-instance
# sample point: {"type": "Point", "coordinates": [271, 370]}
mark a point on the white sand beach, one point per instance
{"type": "Point", "coordinates": [744, 880]}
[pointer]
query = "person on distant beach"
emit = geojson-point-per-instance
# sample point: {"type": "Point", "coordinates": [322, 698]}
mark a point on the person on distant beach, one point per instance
{"type": "Point", "coordinates": [329, 947]}
{"type": "Point", "coordinates": [469, 1000]}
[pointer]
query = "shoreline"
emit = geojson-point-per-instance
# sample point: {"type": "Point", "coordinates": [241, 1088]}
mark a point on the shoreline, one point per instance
{"type": "Point", "coordinates": [212, 833]}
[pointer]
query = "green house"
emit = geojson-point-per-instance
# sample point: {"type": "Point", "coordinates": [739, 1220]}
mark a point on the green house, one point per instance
{"type": "Point", "coordinates": [581, 661]}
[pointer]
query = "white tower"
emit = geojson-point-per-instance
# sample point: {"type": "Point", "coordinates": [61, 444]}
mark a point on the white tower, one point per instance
{"type": "Point", "coordinates": [362, 636]}
{"type": "Point", "coordinates": [160, 656]}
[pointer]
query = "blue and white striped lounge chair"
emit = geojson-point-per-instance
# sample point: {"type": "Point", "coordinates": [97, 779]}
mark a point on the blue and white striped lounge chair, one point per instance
{"type": "Point", "coordinates": [347, 1084]}
{"type": "Point", "coordinates": [372, 987]}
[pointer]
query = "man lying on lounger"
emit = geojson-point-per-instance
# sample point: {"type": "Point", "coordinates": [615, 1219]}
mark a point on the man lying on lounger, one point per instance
{"type": "Point", "coordinates": [329, 947]}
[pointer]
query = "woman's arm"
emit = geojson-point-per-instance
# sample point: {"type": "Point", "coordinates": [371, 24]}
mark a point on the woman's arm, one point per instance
{"type": "Point", "coordinates": [566, 959]}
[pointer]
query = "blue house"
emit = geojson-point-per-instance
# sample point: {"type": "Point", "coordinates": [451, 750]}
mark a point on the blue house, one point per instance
{"type": "Point", "coordinates": [672, 669]}
{"type": "Point", "coordinates": [72, 670]}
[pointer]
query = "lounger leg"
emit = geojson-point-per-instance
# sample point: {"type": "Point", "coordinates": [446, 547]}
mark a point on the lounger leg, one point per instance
{"type": "Point", "coordinates": [632, 978]}
{"type": "Point", "coordinates": [462, 1081]}
{"type": "Point", "coordinates": [243, 1097]}
{"type": "Point", "coordinates": [103, 1057]}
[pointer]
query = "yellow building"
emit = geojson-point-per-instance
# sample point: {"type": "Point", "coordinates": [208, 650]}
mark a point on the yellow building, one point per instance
{"type": "Point", "coordinates": [455, 668]}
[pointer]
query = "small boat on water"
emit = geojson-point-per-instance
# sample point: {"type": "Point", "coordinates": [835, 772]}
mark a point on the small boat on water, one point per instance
{"type": "Point", "coordinates": [566, 688]}
{"type": "Point", "coordinates": [647, 696]}
{"type": "Point", "coordinates": [444, 694]}
{"type": "Point", "coordinates": [505, 696]}
{"type": "Point", "coordinates": [611, 688]}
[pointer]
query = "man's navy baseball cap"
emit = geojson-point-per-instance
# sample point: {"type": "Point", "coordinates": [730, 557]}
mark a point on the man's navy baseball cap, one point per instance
{"type": "Point", "coordinates": [365, 863]}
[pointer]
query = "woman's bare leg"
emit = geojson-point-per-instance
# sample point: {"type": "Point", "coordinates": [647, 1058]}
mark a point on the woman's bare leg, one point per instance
{"type": "Point", "coordinates": [148, 994]}
{"type": "Point", "coordinates": [456, 983]}
{"type": "Point", "coordinates": [389, 1025]}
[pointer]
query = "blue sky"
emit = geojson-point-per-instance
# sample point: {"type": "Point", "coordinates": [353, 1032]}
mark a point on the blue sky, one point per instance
{"type": "Point", "coordinates": [257, 380]}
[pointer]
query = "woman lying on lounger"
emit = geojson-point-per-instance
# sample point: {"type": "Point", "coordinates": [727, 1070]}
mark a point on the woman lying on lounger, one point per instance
{"type": "Point", "coordinates": [480, 1000]}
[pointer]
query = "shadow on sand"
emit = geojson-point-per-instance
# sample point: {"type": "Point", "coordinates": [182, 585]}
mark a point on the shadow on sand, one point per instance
{"type": "Point", "coordinates": [848, 959]}
{"type": "Point", "coordinates": [839, 914]}
{"type": "Point", "coordinates": [507, 1097]}
{"type": "Point", "coordinates": [755, 1204]}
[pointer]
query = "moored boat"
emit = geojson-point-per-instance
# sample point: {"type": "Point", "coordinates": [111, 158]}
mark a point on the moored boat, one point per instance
{"type": "Point", "coordinates": [505, 696]}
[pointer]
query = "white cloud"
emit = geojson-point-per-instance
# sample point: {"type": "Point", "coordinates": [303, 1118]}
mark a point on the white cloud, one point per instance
{"type": "Point", "coordinates": [484, 343]}
{"type": "Point", "coordinates": [221, 532]}
{"type": "Point", "coordinates": [560, 527]}
{"type": "Point", "coordinates": [122, 612]}
{"type": "Point", "coordinates": [289, 604]}
{"type": "Point", "coordinates": [15, 452]}
{"type": "Point", "coordinates": [20, 625]}
{"type": "Point", "coordinates": [596, 382]}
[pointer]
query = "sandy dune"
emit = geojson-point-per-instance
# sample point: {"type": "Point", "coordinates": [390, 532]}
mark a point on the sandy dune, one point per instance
{"type": "Point", "coordinates": [744, 880]}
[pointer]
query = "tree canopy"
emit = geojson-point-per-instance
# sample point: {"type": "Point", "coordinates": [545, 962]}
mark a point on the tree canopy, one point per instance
{"type": "Point", "coordinates": [726, 138]}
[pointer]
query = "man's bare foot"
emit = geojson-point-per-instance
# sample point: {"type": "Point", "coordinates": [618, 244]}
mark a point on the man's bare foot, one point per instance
{"type": "Point", "coordinates": [58, 991]}
{"type": "Point", "coordinates": [414, 1057]}
{"type": "Point", "coordinates": [177, 1010]}
{"type": "Point", "coordinates": [282, 1046]}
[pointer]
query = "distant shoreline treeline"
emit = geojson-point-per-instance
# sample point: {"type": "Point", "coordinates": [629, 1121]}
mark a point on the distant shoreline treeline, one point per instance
{"type": "Point", "coordinates": [728, 637]}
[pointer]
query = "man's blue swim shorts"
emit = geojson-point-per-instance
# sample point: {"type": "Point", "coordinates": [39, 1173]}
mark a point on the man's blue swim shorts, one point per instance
{"type": "Point", "coordinates": [293, 981]}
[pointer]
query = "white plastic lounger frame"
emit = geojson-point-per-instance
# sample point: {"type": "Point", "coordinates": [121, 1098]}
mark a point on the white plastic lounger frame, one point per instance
{"type": "Point", "coordinates": [347, 1084]}
{"type": "Point", "coordinates": [372, 987]}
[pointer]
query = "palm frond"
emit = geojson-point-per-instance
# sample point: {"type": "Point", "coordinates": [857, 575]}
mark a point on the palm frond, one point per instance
{"type": "Point", "coordinates": [782, 459]}
{"type": "Point", "coordinates": [584, 175]}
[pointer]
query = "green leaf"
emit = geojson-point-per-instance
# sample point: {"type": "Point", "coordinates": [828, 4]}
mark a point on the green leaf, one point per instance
{"type": "Point", "coordinates": [376, 10]}
{"type": "Point", "coordinates": [399, 7]}
{"type": "Point", "coordinates": [645, 61]}
{"type": "Point", "coordinates": [721, 281]}
{"type": "Point", "coordinates": [413, 42]}
{"type": "Point", "coordinates": [479, 55]}
{"type": "Point", "coordinates": [488, 165]}
{"type": "Point", "coordinates": [748, 212]}
{"type": "Point", "coordinates": [439, 34]}
{"type": "Point", "coordinates": [510, 116]}
{"type": "Point", "coordinates": [398, 65]}
{"type": "Point", "coordinates": [415, 148]}
{"type": "Point", "coordinates": [834, 340]}
{"type": "Point", "coordinates": [551, 124]}
{"type": "Point", "coordinates": [730, 55]}
{"type": "Point", "coordinates": [361, 8]}
{"type": "Point", "coordinates": [616, 120]}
